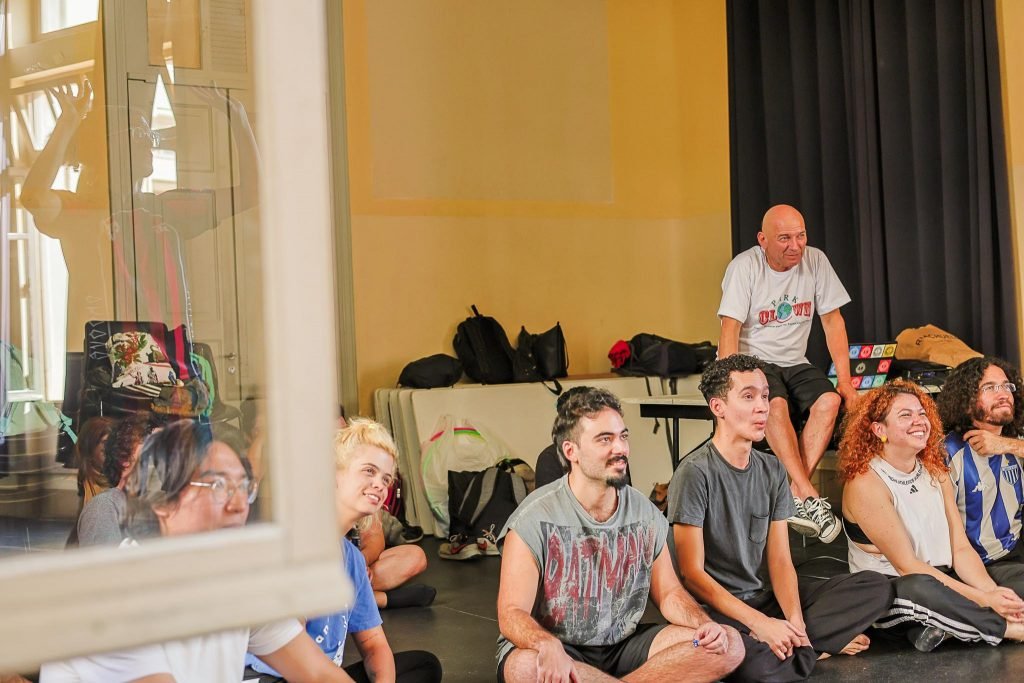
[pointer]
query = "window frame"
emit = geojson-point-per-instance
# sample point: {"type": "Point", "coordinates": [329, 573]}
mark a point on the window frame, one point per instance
{"type": "Point", "coordinates": [36, 391]}
{"type": "Point", "coordinates": [291, 566]}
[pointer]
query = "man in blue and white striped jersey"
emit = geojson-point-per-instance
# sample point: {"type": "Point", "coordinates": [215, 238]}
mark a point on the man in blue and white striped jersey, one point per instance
{"type": "Point", "coordinates": [982, 407]}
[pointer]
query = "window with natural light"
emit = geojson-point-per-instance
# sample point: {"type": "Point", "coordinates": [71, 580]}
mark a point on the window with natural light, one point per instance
{"type": "Point", "coordinates": [55, 15]}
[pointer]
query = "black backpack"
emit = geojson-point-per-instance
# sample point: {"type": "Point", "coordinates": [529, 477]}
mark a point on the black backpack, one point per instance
{"type": "Point", "coordinates": [662, 357]}
{"type": "Point", "coordinates": [483, 347]}
{"type": "Point", "coordinates": [480, 503]}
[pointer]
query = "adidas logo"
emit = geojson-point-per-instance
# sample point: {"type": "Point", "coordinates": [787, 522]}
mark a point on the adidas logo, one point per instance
{"type": "Point", "coordinates": [913, 488]}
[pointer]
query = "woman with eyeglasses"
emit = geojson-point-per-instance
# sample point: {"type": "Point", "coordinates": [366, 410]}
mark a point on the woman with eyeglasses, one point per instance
{"type": "Point", "coordinates": [365, 456]}
{"type": "Point", "coordinates": [187, 482]}
{"type": "Point", "coordinates": [901, 520]}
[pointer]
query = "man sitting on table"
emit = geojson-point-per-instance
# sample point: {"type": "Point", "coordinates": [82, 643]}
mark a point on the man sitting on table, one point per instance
{"type": "Point", "coordinates": [769, 296]}
{"type": "Point", "coordinates": [580, 558]}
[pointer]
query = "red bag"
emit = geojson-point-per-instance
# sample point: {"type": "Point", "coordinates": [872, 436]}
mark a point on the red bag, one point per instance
{"type": "Point", "coordinates": [393, 500]}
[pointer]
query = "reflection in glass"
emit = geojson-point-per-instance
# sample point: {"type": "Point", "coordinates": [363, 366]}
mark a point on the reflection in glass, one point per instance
{"type": "Point", "coordinates": [132, 287]}
{"type": "Point", "coordinates": [174, 32]}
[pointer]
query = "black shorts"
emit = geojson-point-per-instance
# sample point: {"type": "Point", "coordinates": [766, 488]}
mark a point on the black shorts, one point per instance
{"type": "Point", "coordinates": [801, 385]}
{"type": "Point", "coordinates": [616, 660]}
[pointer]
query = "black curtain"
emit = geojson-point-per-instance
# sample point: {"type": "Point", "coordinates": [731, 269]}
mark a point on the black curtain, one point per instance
{"type": "Point", "coordinates": [881, 120]}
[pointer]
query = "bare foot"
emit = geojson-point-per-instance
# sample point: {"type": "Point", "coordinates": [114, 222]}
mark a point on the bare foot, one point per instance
{"type": "Point", "coordinates": [858, 644]}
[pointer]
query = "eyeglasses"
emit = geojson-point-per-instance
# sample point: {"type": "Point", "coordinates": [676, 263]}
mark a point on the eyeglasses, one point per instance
{"type": "Point", "coordinates": [223, 491]}
{"type": "Point", "coordinates": [1009, 388]}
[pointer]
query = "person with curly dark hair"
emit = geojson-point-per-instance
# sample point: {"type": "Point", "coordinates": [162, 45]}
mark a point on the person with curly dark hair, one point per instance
{"type": "Point", "coordinates": [982, 407]}
{"type": "Point", "coordinates": [728, 504]}
{"type": "Point", "coordinates": [902, 521]}
{"type": "Point", "coordinates": [100, 522]}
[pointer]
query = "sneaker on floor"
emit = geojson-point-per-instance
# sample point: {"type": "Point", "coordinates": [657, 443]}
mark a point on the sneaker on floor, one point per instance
{"type": "Point", "coordinates": [488, 542]}
{"type": "Point", "coordinates": [800, 522]}
{"type": "Point", "coordinates": [459, 547]}
{"type": "Point", "coordinates": [927, 638]}
{"type": "Point", "coordinates": [820, 512]}
{"type": "Point", "coordinates": [487, 546]}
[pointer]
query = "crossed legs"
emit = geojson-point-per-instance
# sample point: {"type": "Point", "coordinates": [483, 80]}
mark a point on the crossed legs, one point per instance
{"type": "Point", "coordinates": [394, 567]}
{"type": "Point", "coordinates": [673, 649]}
{"type": "Point", "coordinates": [670, 652]}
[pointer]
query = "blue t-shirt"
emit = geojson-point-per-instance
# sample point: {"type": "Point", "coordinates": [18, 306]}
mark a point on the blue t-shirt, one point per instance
{"type": "Point", "coordinates": [329, 632]}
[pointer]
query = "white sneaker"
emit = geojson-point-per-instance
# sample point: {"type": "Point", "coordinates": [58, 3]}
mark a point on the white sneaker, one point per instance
{"type": "Point", "coordinates": [800, 522]}
{"type": "Point", "coordinates": [820, 512]}
{"type": "Point", "coordinates": [459, 547]}
{"type": "Point", "coordinates": [488, 542]}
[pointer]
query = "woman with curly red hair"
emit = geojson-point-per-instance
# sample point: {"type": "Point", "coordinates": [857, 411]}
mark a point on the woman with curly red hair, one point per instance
{"type": "Point", "coordinates": [901, 520]}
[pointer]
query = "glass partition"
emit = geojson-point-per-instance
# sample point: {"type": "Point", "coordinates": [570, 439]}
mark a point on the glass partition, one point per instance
{"type": "Point", "coordinates": [132, 294]}
{"type": "Point", "coordinates": [141, 276]}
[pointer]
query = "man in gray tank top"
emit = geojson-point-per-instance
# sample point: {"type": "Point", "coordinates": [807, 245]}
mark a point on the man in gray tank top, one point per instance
{"type": "Point", "coordinates": [581, 556]}
{"type": "Point", "coordinates": [728, 505]}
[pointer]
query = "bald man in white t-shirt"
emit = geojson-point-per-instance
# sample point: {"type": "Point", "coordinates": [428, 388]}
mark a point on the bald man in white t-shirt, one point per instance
{"type": "Point", "coordinates": [770, 294]}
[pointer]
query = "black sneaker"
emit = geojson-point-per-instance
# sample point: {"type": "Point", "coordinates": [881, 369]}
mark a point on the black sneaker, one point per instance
{"type": "Point", "coordinates": [412, 534]}
{"type": "Point", "coordinates": [800, 522]}
{"type": "Point", "coordinates": [820, 512]}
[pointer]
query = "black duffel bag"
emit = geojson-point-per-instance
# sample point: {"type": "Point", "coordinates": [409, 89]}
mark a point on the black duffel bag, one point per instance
{"type": "Point", "coordinates": [439, 370]}
{"type": "Point", "coordinates": [651, 354]}
{"type": "Point", "coordinates": [549, 351]}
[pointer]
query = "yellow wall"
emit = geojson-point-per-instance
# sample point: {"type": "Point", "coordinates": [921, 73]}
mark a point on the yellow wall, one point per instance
{"type": "Point", "coordinates": [546, 161]}
{"type": "Point", "coordinates": [1011, 24]}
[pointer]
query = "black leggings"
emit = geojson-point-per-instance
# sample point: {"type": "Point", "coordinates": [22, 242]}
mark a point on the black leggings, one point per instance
{"type": "Point", "coordinates": [413, 666]}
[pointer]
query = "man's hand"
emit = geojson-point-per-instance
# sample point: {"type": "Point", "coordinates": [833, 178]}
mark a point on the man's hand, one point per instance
{"type": "Point", "coordinates": [848, 393]}
{"type": "Point", "coordinates": [779, 635]}
{"type": "Point", "coordinates": [712, 637]}
{"type": "Point", "coordinates": [986, 443]}
{"type": "Point", "coordinates": [1006, 603]}
{"type": "Point", "coordinates": [799, 624]}
{"type": "Point", "coordinates": [553, 665]}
